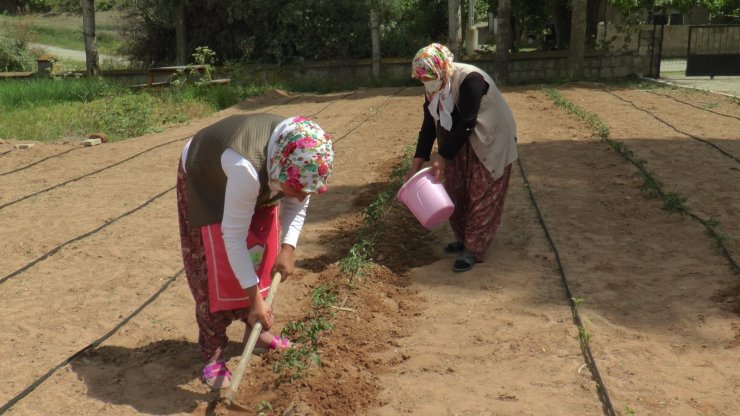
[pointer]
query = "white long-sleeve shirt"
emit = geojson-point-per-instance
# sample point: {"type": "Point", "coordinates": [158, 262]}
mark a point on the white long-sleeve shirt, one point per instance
{"type": "Point", "coordinates": [242, 189]}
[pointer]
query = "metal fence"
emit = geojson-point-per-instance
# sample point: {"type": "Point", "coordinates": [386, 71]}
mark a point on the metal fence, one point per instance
{"type": "Point", "coordinates": [713, 50]}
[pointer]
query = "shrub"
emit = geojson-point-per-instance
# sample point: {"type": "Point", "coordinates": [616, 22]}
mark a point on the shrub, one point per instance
{"type": "Point", "coordinates": [14, 56]}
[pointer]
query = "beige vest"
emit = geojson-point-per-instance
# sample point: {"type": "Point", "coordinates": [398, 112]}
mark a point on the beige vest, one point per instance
{"type": "Point", "coordinates": [248, 135]}
{"type": "Point", "coordinates": [493, 138]}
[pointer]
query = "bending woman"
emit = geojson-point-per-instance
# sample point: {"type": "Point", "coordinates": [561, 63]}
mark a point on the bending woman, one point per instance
{"type": "Point", "coordinates": [238, 181]}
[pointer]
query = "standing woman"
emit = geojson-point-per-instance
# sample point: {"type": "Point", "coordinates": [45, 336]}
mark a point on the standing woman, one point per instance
{"type": "Point", "coordinates": [238, 181]}
{"type": "Point", "coordinates": [476, 144]}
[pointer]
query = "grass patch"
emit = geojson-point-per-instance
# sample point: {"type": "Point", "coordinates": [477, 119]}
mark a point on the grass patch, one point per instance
{"type": "Point", "coordinates": [61, 36]}
{"type": "Point", "coordinates": [47, 110]}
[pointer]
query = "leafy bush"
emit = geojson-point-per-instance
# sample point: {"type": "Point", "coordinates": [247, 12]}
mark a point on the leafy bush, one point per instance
{"type": "Point", "coordinates": [14, 56]}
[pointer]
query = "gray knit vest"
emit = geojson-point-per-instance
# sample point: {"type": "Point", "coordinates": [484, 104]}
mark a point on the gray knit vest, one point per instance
{"type": "Point", "coordinates": [248, 135]}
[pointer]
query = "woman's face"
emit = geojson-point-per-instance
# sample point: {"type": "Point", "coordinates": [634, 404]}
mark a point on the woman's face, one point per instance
{"type": "Point", "coordinates": [432, 86]}
{"type": "Point", "coordinates": [291, 192]}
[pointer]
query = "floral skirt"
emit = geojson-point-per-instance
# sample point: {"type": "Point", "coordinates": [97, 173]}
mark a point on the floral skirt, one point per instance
{"type": "Point", "coordinates": [478, 198]}
{"type": "Point", "coordinates": [211, 326]}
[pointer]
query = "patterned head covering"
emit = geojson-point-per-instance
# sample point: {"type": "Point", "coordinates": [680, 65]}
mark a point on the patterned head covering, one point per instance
{"type": "Point", "coordinates": [302, 155]}
{"type": "Point", "coordinates": [432, 62]}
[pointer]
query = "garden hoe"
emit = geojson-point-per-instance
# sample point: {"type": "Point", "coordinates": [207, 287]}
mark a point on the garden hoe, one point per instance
{"type": "Point", "coordinates": [229, 393]}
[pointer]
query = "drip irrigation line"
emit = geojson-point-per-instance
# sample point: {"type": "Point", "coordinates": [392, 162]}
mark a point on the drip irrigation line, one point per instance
{"type": "Point", "coordinates": [39, 161]}
{"type": "Point", "coordinates": [80, 237]}
{"type": "Point", "coordinates": [332, 102]}
{"type": "Point", "coordinates": [3, 154]}
{"type": "Point", "coordinates": [585, 348]}
{"type": "Point", "coordinates": [89, 347]}
{"type": "Point", "coordinates": [89, 174]}
{"type": "Point", "coordinates": [692, 105]}
{"type": "Point", "coordinates": [377, 110]}
{"type": "Point", "coordinates": [721, 150]}
{"type": "Point", "coordinates": [723, 249]}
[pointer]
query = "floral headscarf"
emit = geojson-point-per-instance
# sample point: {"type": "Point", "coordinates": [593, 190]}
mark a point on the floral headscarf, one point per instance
{"type": "Point", "coordinates": [432, 62]}
{"type": "Point", "coordinates": [301, 156]}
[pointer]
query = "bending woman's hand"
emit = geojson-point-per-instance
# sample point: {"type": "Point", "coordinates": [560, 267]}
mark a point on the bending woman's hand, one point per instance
{"type": "Point", "coordinates": [259, 311]}
{"type": "Point", "coordinates": [285, 262]}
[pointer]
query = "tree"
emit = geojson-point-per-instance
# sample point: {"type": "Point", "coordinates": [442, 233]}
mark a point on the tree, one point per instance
{"type": "Point", "coordinates": [88, 28]}
{"type": "Point", "coordinates": [577, 46]}
{"type": "Point", "coordinates": [503, 38]}
{"type": "Point", "coordinates": [375, 36]}
{"type": "Point", "coordinates": [180, 34]}
{"type": "Point", "coordinates": [455, 26]}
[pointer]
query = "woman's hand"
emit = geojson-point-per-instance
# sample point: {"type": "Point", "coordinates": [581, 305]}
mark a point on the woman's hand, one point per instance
{"type": "Point", "coordinates": [285, 262]}
{"type": "Point", "coordinates": [438, 165]}
{"type": "Point", "coordinates": [416, 165]}
{"type": "Point", "coordinates": [259, 311]}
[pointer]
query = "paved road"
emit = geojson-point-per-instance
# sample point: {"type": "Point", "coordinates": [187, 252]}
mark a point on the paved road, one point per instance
{"type": "Point", "coordinates": [674, 71]}
{"type": "Point", "coordinates": [75, 55]}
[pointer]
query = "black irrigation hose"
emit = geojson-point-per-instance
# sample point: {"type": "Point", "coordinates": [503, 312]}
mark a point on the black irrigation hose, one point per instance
{"type": "Point", "coordinates": [38, 161]}
{"type": "Point", "coordinates": [89, 174]}
{"type": "Point", "coordinates": [89, 347]}
{"type": "Point", "coordinates": [80, 237]}
{"type": "Point", "coordinates": [721, 150]}
{"type": "Point", "coordinates": [377, 110]}
{"type": "Point", "coordinates": [332, 102]}
{"type": "Point", "coordinates": [692, 105]}
{"type": "Point", "coordinates": [585, 348]}
{"type": "Point", "coordinates": [3, 154]}
{"type": "Point", "coordinates": [723, 249]}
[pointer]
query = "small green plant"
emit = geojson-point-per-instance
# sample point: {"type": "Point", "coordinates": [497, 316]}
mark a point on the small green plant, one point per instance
{"type": "Point", "coordinates": [295, 363]}
{"type": "Point", "coordinates": [323, 297]}
{"type": "Point", "coordinates": [359, 259]}
{"type": "Point", "coordinates": [628, 411]}
{"type": "Point", "coordinates": [709, 106]}
{"type": "Point", "coordinates": [263, 407]}
{"type": "Point", "coordinates": [673, 202]}
{"type": "Point", "coordinates": [584, 335]}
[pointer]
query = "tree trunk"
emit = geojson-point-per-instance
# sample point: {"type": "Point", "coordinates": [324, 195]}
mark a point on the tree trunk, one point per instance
{"type": "Point", "coordinates": [88, 28]}
{"type": "Point", "coordinates": [454, 23]}
{"type": "Point", "coordinates": [180, 37]}
{"type": "Point", "coordinates": [593, 15]}
{"type": "Point", "coordinates": [375, 38]}
{"type": "Point", "coordinates": [577, 47]}
{"type": "Point", "coordinates": [503, 39]}
{"type": "Point", "coordinates": [561, 16]}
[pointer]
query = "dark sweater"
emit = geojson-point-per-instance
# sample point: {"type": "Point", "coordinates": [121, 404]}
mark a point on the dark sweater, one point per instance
{"type": "Point", "coordinates": [464, 116]}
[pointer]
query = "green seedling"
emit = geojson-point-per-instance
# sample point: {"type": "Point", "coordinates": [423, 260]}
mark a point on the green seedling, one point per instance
{"type": "Point", "coordinates": [673, 202]}
{"type": "Point", "coordinates": [323, 297]}
{"type": "Point", "coordinates": [263, 407]}
{"type": "Point", "coordinates": [628, 411]}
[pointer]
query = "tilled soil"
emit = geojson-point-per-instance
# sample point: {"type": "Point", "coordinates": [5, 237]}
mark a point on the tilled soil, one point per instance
{"type": "Point", "coordinates": [89, 237]}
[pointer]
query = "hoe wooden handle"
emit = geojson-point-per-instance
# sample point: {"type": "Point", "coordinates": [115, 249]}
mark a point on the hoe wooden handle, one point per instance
{"type": "Point", "coordinates": [251, 342]}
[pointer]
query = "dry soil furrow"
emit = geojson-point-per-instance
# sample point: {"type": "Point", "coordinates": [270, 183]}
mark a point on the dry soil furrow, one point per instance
{"type": "Point", "coordinates": [707, 178]}
{"type": "Point", "coordinates": [661, 341]}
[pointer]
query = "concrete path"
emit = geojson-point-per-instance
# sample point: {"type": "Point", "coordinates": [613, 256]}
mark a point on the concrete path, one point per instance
{"type": "Point", "coordinates": [75, 55]}
{"type": "Point", "coordinates": [674, 71]}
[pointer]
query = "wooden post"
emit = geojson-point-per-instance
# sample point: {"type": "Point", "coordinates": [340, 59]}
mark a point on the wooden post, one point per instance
{"type": "Point", "coordinates": [88, 28]}
{"type": "Point", "coordinates": [180, 38]}
{"type": "Point", "coordinates": [503, 37]}
{"type": "Point", "coordinates": [375, 37]}
{"type": "Point", "coordinates": [577, 46]}
{"type": "Point", "coordinates": [454, 22]}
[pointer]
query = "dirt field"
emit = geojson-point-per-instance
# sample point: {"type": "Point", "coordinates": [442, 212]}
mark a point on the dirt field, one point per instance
{"type": "Point", "coordinates": [89, 237]}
